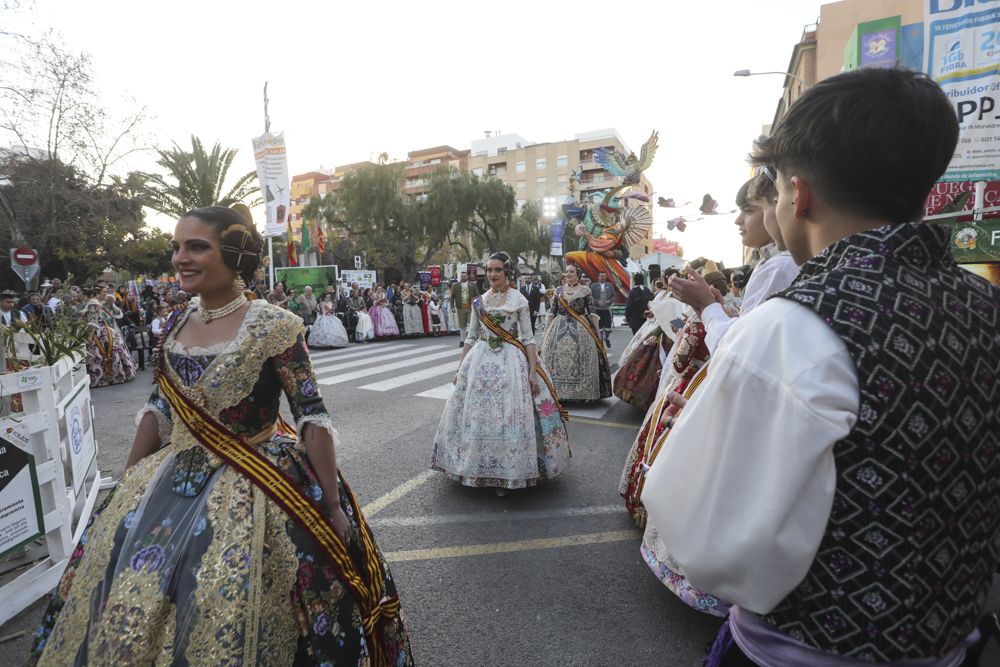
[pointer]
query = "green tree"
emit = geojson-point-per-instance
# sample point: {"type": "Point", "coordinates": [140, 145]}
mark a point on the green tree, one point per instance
{"type": "Point", "coordinates": [77, 227]}
{"type": "Point", "coordinates": [527, 241]}
{"type": "Point", "coordinates": [463, 202]}
{"type": "Point", "coordinates": [197, 178]}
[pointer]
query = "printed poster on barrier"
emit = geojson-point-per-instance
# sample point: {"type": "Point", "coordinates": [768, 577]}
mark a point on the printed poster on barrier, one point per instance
{"type": "Point", "coordinates": [272, 173]}
{"type": "Point", "coordinates": [80, 431]}
{"type": "Point", "coordinates": [20, 502]}
{"type": "Point", "coordinates": [962, 50]}
{"type": "Point", "coordinates": [364, 279]}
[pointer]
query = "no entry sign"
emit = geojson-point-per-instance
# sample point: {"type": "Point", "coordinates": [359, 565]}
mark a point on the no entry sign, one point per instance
{"type": "Point", "coordinates": [25, 256]}
{"type": "Point", "coordinates": [24, 262]}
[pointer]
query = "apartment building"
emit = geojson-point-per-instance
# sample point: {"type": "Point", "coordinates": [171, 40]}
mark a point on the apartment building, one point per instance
{"type": "Point", "coordinates": [420, 164]}
{"type": "Point", "coordinates": [539, 170]}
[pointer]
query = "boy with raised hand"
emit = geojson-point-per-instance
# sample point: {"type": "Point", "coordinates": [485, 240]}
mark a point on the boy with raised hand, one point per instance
{"type": "Point", "coordinates": [836, 475]}
{"type": "Point", "coordinates": [774, 273]}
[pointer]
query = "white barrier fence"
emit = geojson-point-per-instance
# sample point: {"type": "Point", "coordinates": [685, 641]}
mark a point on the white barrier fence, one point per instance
{"type": "Point", "coordinates": [49, 479]}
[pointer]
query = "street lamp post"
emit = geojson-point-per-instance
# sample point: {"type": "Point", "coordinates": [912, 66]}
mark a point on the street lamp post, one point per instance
{"type": "Point", "coordinates": [746, 72]}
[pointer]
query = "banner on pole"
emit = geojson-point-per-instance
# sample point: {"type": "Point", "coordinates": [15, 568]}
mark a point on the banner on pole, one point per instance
{"type": "Point", "coordinates": [962, 47]}
{"type": "Point", "coordinates": [435, 276]}
{"type": "Point", "coordinates": [272, 173]}
{"type": "Point", "coordinates": [556, 230]}
{"type": "Point", "coordinates": [425, 280]}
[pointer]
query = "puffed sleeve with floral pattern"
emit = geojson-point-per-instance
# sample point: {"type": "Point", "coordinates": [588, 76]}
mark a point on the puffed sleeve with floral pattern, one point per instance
{"type": "Point", "coordinates": [298, 381]}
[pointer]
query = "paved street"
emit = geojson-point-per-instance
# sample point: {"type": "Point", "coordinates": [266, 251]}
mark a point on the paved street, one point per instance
{"type": "Point", "coordinates": [547, 576]}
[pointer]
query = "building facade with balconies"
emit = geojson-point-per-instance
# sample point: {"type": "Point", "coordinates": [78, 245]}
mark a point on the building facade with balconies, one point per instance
{"type": "Point", "coordinates": [539, 170]}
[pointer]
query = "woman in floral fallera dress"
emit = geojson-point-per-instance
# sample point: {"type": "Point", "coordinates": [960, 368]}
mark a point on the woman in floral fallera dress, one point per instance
{"type": "Point", "coordinates": [190, 561]}
{"type": "Point", "coordinates": [503, 426]}
{"type": "Point", "coordinates": [571, 347]}
{"type": "Point", "coordinates": [108, 358]}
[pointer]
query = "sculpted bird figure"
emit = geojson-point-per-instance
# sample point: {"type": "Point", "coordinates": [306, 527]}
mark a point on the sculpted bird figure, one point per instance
{"type": "Point", "coordinates": [629, 168]}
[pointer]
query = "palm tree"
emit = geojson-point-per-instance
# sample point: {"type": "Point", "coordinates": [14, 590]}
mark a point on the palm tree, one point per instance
{"type": "Point", "coordinates": [196, 178]}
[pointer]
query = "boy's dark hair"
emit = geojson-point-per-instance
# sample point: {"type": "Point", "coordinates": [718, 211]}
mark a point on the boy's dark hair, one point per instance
{"type": "Point", "coordinates": [872, 141]}
{"type": "Point", "coordinates": [762, 187]}
{"type": "Point", "coordinates": [742, 198]}
{"type": "Point", "coordinates": [639, 279]}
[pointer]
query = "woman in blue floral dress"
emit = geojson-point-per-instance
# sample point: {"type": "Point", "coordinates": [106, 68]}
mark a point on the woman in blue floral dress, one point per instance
{"type": "Point", "coordinates": [189, 562]}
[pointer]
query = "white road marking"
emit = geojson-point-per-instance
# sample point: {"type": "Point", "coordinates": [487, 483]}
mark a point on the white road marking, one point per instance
{"type": "Point", "coordinates": [410, 378]}
{"type": "Point", "coordinates": [485, 517]}
{"type": "Point", "coordinates": [443, 392]}
{"type": "Point", "coordinates": [385, 368]}
{"type": "Point", "coordinates": [336, 364]}
{"type": "Point", "coordinates": [329, 355]}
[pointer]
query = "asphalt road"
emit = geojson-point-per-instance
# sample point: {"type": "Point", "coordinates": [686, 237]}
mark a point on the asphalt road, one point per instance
{"type": "Point", "coordinates": [547, 576]}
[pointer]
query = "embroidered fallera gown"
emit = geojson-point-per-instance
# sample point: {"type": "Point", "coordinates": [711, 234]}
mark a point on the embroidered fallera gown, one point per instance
{"type": "Point", "coordinates": [579, 367]}
{"type": "Point", "coordinates": [328, 330]}
{"type": "Point", "coordinates": [493, 433]}
{"type": "Point", "coordinates": [188, 562]}
{"type": "Point", "coordinates": [413, 324]}
{"type": "Point", "coordinates": [688, 355]}
{"type": "Point", "coordinates": [108, 358]}
{"type": "Point", "coordinates": [382, 317]}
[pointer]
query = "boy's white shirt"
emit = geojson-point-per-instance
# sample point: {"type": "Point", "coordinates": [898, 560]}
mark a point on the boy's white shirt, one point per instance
{"type": "Point", "coordinates": [770, 277]}
{"type": "Point", "coordinates": [742, 494]}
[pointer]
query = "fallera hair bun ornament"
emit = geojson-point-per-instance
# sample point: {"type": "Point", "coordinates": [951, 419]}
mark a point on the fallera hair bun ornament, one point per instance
{"type": "Point", "coordinates": [244, 211]}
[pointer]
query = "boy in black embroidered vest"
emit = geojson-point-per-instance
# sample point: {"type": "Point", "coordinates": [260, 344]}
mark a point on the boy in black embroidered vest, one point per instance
{"type": "Point", "coordinates": [849, 501]}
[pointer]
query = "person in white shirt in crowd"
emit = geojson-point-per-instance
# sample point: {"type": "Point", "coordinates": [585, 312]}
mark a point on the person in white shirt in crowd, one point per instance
{"type": "Point", "coordinates": [8, 313]}
{"type": "Point", "coordinates": [835, 475]}
{"type": "Point", "coordinates": [159, 322]}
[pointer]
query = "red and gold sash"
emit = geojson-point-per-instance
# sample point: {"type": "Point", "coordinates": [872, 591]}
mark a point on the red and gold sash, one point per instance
{"type": "Point", "coordinates": [107, 361]}
{"type": "Point", "coordinates": [364, 582]}
{"type": "Point", "coordinates": [587, 326]}
{"type": "Point", "coordinates": [651, 446]}
{"type": "Point", "coordinates": [502, 333]}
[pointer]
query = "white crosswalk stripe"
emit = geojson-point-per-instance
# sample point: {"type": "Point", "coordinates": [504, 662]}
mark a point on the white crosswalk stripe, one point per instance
{"type": "Point", "coordinates": [375, 367]}
{"type": "Point", "coordinates": [383, 368]}
{"type": "Point", "coordinates": [322, 356]}
{"type": "Point", "coordinates": [376, 358]}
{"type": "Point", "coordinates": [410, 378]}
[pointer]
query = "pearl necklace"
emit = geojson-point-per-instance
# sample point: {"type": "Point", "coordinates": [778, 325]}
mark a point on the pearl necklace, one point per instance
{"type": "Point", "coordinates": [209, 314]}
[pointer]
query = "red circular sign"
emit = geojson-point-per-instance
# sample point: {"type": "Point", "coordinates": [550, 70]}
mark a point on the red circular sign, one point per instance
{"type": "Point", "coordinates": [25, 256]}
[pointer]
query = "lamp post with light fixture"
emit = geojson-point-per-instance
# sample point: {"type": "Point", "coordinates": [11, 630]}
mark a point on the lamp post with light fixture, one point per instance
{"type": "Point", "coordinates": [746, 72]}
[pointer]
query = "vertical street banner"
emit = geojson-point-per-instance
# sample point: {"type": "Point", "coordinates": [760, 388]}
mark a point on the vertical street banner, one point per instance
{"type": "Point", "coordinates": [435, 276]}
{"type": "Point", "coordinates": [272, 173]}
{"type": "Point", "coordinates": [962, 47]}
{"type": "Point", "coordinates": [556, 230]}
{"type": "Point", "coordinates": [425, 280]}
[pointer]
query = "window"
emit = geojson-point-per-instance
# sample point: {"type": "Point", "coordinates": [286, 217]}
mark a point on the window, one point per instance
{"type": "Point", "coordinates": [501, 151]}
{"type": "Point", "coordinates": [562, 160]}
{"type": "Point", "coordinates": [563, 179]}
{"type": "Point", "coordinates": [521, 185]}
{"type": "Point", "coordinates": [478, 171]}
{"type": "Point", "coordinates": [540, 163]}
{"type": "Point", "coordinates": [521, 203]}
{"type": "Point", "coordinates": [540, 185]}
{"type": "Point", "coordinates": [519, 167]}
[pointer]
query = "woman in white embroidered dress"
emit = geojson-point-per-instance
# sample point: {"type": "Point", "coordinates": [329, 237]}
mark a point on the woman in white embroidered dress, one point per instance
{"type": "Point", "coordinates": [502, 427]}
{"type": "Point", "coordinates": [328, 330]}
